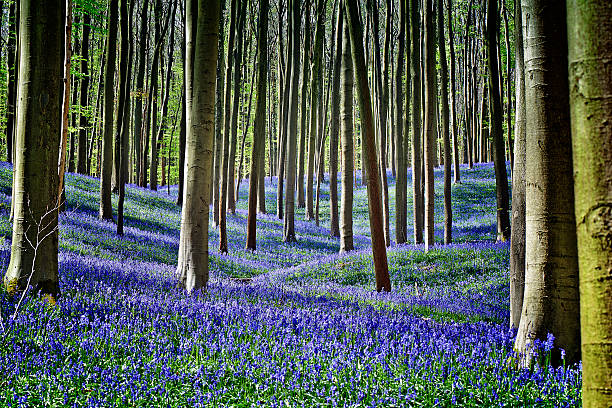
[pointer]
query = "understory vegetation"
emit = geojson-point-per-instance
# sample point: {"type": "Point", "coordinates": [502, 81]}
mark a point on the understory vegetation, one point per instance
{"type": "Point", "coordinates": [290, 324]}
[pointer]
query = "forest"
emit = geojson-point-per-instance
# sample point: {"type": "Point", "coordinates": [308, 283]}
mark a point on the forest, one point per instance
{"type": "Point", "coordinates": [381, 203]}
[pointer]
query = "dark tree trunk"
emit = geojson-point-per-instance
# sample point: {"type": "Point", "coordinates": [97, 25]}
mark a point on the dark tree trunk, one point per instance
{"type": "Point", "coordinates": [415, 119]}
{"type": "Point", "coordinates": [448, 211]}
{"type": "Point", "coordinates": [84, 122]}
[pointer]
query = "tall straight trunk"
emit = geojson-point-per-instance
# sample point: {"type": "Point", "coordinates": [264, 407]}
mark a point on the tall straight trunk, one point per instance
{"type": "Point", "coordinates": [347, 134]}
{"type": "Point", "coordinates": [415, 120]}
{"type": "Point", "coordinates": [430, 82]}
{"type": "Point", "coordinates": [283, 94]}
{"type": "Point", "coordinates": [468, 94]}
{"type": "Point", "coordinates": [219, 116]}
{"type": "Point", "coordinates": [65, 103]}
{"type": "Point", "coordinates": [140, 91]}
{"type": "Point", "coordinates": [497, 133]}
{"type": "Point", "coordinates": [453, 108]}
{"type": "Point", "coordinates": [445, 128]}
{"type": "Point", "coordinates": [335, 127]}
{"type": "Point", "coordinates": [233, 141]}
{"type": "Point", "coordinates": [484, 124]}
{"type": "Point", "coordinates": [181, 151]}
{"type": "Point", "coordinates": [201, 34]}
{"type": "Point", "coordinates": [153, 100]}
{"type": "Point", "coordinates": [590, 53]}
{"type": "Point", "coordinates": [517, 232]}
{"type": "Point", "coordinates": [508, 86]}
{"type": "Point", "coordinates": [81, 166]}
{"type": "Point", "coordinates": [106, 209]}
{"type": "Point", "coordinates": [289, 224]}
{"type": "Point", "coordinates": [122, 123]}
{"type": "Point", "coordinates": [11, 68]}
{"type": "Point", "coordinates": [37, 139]}
{"type": "Point", "coordinates": [226, 129]}
{"type": "Point", "coordinates": [401, 185]}
{"type": "Point", "coordinates": [304, 108]}
{"type": "Point", "coordinates": [315, 94]}
{"type": "Point", "coordinates": [259, 135]}
{"type": "Point", "coordinates": [551, 301]}
{"type": "Point", "coordinates": [379, 250]}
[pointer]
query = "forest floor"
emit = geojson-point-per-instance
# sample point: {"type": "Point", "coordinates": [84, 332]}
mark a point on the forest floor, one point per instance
{"type": "Point", "coordinates": [307, 328]}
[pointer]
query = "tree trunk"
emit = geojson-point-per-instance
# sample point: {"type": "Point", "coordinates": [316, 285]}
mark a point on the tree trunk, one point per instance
{"type": "Point", "coordinates": [37, 139]}
{"type": "Point", "coordinates": [140, 91]}
{"type": "Point", "coordinates": [304, 108]}
{"type": "Point", "coordinates": [453, 109]}
{"type": "Point", "coordinates": [153, 100]}
{"type": "Point", "coordinates": [259, 136]}
{"type": "Point", "coordinates": [289, 224]}
{"type": "Point", "coordinates": [226, 129]}
{"type": "Point", "coordinates": [401, 185]}
{"type": "Point", "coordinates": [106, 209]}
{"type": "Point", "coordinates": [551, 302]}
{"type": "Point", "coordinates": [81, 158]}
{"type": "Point", "coordinates": [517, 232]}
{"type": "Point", "coordinates": [231, 165]}
{"type": "Point", "coordinates": [65, 104]}
{"type": "Point", "coordinates": [379, 250]}
{"type": "Point", "coordinates": [192, 266]}
{"type": "Point", "coordinates": [590, 53]}
{"type": "Point", "coordinates": [11, 67]}
{"type": "Point", "coordinates": [335, 127]}
{"type": "Point", "coordinates": [347, 134]}
{"type": "Point", "coordinates": [497, 132]}
{"type": "Point", "coordinates": [415, 120]}
{"type": "Point", "coordinates": [315, 94]}
{"type": "Point", "coordinates": [430, 82]}
{"type": "Point", "coordinates": [219, 116]}
{"type": "Point", "coordinates": [444, 131]}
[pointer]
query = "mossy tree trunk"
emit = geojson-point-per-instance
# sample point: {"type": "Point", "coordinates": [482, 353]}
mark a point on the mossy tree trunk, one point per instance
{"type": "Point", "coordinates": [590, 59]}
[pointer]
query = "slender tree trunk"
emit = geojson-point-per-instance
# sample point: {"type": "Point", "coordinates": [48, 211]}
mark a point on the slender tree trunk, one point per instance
{"type": "Point", "coordinates": [551, 301]}
{"type": "Point", "coordinates": [415, 120]}
{"type": "Point", "coordinates": [315, 94]}
{"type": "Point", "coordinates": [202, 37]}
{"type": "Point", "coordinates": [401, 217]}
{"type": "Point", "coordinates": [453, 109]}
{"type": "Point", "coordinates": [347, 134]}
{"type": "Point", "coordinates": [430, 118]}
{"type": "Point", "coordinates": [259, 136]}
{"type": "Point", "coordinates": [508, 86]}
{"type": "Point", "coordinates": [289, 224]}
{"type": "Point", "coordinates": [219, 116]}
{"type": "Point", "coordinates": [517, 236]}
{"type": "Point", "coordinates": [304, 108]}
{"type": "Point", "coordinates": [106, 209]}
{"type": "Point", "coordinates": [11, 67]}
{"type": "Point", "coordinates": [153, 101]}
{"type": "Point", "coordinates": [230, 202]}
{"type": "Point", "coordinates": [283, 93]}
{"type": "Point", "coordinates": [226, 130]}
{"type": "Point", "coordinates": [379, 250]}
{"type": "Point", "coordinates": [37, 139]}
{"type": "Point", "coordinates": [81, 158]}
{"type": "Point", "coordinates": [445, 128]}
{"type": "Point", "coordinates": [590, 53]}
{"type": "Point", "coordinates": [65, 103]}
{"type": "Point", "coordinates": [140, 91]}
{"type": "Point", "coordinates": [335, 127]}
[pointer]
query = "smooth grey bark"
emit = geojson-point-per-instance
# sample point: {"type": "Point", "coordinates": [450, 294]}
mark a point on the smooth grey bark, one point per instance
{"type": "Point", "coordinates": [401, 185]}
{"type": "Point", "coordinates": [219, 116]}
{"type": "Point", "coordinates": [453, 108]}
{"type": "Point", "coordinates": [304, 109]}
{"type": "Point", "coordinates": [81, 158]}
{"type": "Point", "coordinates": [192, 268]}
{"type": "Point", "coordinates": [430, 83]}
{"type": "Point", "coordinates": [34, 245]}
{"type": "Point", "coordinates": [551, 298]}
{"type": "Point", "coordinates": [445, 128]}
{"type": "Point", "coordinates": [415, 120]}
{"type": "Point", "coordinates": [140, 91]}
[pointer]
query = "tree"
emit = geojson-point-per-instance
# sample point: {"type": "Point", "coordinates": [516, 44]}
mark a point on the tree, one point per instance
{"type": "Point", "coordinates": [497, 118]}
{"type": "Point", "coordinates": [259, 136]}
{"type": "Point", "coordinates": [430, 81]}
{"type": "Point", "coordinates": [379, 250]}
{"type": "Point", "coordinates": [289, 224]}
{"type": "Point", "coordinates": [401, 218]}
{"type": "Point", "coordinates": [517, 232]}
{"type": "Point", "coordinates": [37, 139]}
{"type": "Point", "coordinates": [590, 53]}
{"type": "Point", "coordinates": [335, 127]}
{"type": "Point", "coordinates": [11, 67]}
{"type": "Point", "coordinates": [346, 131]}
{"type": "Point", "coordinates": [453, 110]}
{"type": "Point", "coordinates": [303, 110]}
{"type": "Point", "coordinates": [415, 120]}
{"type": "Point", "coordinates": [81, 166]}
{"type": "Point", "coordinates": [106, 208]}
{"type": "Point", "coordinates": [551, 302]}
{"type": "Point", "coordinates": [219, 116]}
{"type": "Point", "coordinates": [444, 122]}
{"type": "Point", "coordinates": [203, 33]}
{"type": "Point", "coordinates": [140, 92]}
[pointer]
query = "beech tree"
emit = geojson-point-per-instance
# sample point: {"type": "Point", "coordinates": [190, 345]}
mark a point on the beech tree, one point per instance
{"type": "Point", "coordinates": [202, 31]}
{"type": "Point", "coordinates": [551, 302]}
{"type": "Point", "coordinates": [346, 131]}
{"type": "Point", "coordinates": [429, 70]}
{"type": "Point", "coordinates": [590, 53]}
{"type": "Point", "coordinates": [34, 245]}
{"type": "Point", "coordinates": [379, 250]}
